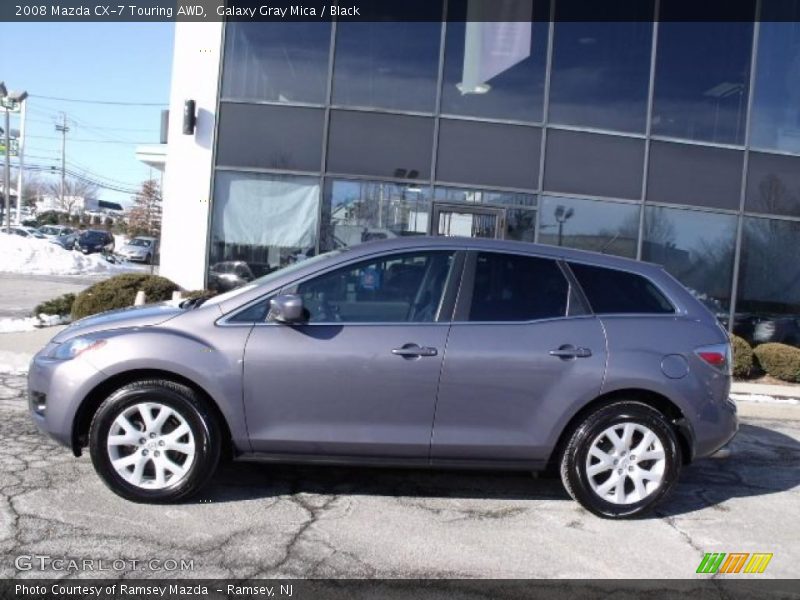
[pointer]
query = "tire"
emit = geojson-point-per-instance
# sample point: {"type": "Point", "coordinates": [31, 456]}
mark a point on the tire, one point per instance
{"type": "Point", "coordinates": [601, 454]}
{"type": "Point", "coordinates": [152, 462]}
{"type": "Point", "coordinates": [148, 260]}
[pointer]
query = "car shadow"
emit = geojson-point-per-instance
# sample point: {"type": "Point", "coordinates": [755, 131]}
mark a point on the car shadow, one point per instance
{"type": "Point", "coordinates": [762, 462]}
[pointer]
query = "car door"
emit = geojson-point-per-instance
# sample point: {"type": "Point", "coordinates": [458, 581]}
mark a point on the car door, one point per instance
{"type": "Point", "coordinates": [522, 353]}
{"type": "Point", "coordinates": [359, 378]}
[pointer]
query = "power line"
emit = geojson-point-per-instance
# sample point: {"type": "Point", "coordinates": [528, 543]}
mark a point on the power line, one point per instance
{"type": "Point", "coordinates": [108, 102]}
{"type": "Point", "coordinates": [98, 127]}
{"type": "Point", "coordinates": [89, 141]}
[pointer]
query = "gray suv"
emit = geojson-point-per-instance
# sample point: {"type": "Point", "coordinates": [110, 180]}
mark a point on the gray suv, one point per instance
{"type": "Point", "coordinates": [423, 352]}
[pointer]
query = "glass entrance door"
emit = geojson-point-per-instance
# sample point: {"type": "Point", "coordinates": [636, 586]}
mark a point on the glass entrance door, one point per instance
{"type": "Point", "coordinates": [468, 221]}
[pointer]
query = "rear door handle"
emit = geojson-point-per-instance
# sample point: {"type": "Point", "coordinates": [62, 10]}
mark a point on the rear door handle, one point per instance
{"type": "Point", "coordinates": [570, 351]}
{"type": "Point", "coordinates": [414, 351]}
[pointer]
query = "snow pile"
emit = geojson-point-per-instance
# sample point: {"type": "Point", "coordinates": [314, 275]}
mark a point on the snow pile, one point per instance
{"type": "Point", "coordinates": [31, 256]}
{"type": "Point", "coordinates": [10, 325]}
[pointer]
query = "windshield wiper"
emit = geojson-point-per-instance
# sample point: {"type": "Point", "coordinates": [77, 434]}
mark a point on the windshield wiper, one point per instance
{"type": "Point", "coordinates": [193, 302]}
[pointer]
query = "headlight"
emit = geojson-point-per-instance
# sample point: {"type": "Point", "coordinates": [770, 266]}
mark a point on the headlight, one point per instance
{"type": "Point", "coordinates": [75, 347]}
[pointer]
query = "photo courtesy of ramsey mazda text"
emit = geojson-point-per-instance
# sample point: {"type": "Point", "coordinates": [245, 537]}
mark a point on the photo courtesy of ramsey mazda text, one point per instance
{"type": "Point", "coordinates": [417, 351]}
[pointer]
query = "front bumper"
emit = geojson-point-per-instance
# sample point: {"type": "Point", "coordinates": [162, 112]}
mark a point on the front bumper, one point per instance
{"type": "Point", "coordinates": [56, 389]}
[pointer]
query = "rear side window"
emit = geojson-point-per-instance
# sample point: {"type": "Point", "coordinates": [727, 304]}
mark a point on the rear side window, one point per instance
{"type": "Point", "coordinates": [510, 287]}
{"type": "Point", "coordinates": [610, 291]}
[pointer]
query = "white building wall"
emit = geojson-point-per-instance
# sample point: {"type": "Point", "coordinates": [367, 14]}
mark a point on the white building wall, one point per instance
{"type": "Point", "coordinates": [187, 180]}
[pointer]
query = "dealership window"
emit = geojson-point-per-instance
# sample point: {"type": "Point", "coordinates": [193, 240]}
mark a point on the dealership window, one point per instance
{"type": "Point", "coordinates": [511, 287]}
{"type": "Point", "coordinates": [593, 164]}
{"type": "Point", "coordinates": [396, 288]}
{"type": "Point", "coordinates": [361, 211]}
{"type": "Point", "coordinates": [696, 247]}
{"type": "Point", "coordinates": [385, 63]}
{"type": "Point", "coordinates": [381, 145]}
{"type": "Point", "coordinates": [601, 69]}
{"type": "Point", "coordinates": [768, 299]}
{"type": "Point", "coordinates": [608, 227]}
{"type": "Point", "coordinates": [494, 64]}
{"type": "Point", "coordinates": [775, 114]}
{"type": "Point", "coordinates": [773, 184]}
{"type": "Point", "coordinates": [695, 175]}
{"type": "Point", "coordinates": [271, 137]}
{"type": "Point", "coordinates": [276, 61]}
{"type": "Point", "coordinates": [488, 154]}
{"type": "Point", "coordinates": [260, 223]}
{"type": "Point", "coordinates": [702, 73]}
{"type": "Point", "coordinates": [520, 209]}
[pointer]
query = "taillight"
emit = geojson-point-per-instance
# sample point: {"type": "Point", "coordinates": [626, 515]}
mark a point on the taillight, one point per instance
{"type": "Point", "coordinates": [717, 355]}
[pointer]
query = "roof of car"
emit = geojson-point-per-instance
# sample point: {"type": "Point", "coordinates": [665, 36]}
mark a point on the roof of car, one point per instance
{"type": "Point", "coordinates": [400, 243]}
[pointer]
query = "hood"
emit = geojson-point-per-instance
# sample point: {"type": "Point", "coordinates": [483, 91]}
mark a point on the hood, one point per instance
{"type": "Point", "coordinates": [132, 248]}
{"type": "Point", "coordinates": [136, 316]}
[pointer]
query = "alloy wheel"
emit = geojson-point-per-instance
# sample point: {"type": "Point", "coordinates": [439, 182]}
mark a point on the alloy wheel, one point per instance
{"type": "Point", "coordinates": [625, 463]}
{"type": "Point", "coordinates": [151, 446]}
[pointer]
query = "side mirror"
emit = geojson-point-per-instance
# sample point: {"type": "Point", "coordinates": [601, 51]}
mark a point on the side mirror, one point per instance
{"type": "Point", "coordinates": [286, 308]}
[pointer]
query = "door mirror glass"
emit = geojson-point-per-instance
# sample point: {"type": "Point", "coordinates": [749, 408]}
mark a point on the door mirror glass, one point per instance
{"type": "Point", "coordinates": [286, 308]}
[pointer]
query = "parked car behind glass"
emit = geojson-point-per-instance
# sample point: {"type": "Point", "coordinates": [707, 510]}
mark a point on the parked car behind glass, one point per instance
{"type": "Point", "coordinates": [604, 368]}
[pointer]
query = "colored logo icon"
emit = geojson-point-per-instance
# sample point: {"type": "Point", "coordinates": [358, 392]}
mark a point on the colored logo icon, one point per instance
{"type": "Point", "coordinates": [733, 563]}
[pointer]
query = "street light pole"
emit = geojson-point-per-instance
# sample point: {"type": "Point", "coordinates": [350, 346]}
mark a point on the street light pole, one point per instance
{"type": "Point", "coordinates": [9, 100]}
{"type": "Point", "coordinates": [7, 173]}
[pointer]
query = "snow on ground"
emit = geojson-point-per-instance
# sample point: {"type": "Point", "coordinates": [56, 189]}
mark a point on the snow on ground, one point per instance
{"type": "Point", "coordinates": [14, 362]}
{"type": "Point", "coordinates": [764, 399]}
{"type": "Point", "coordinates": [11, 325]}
{"type": "Point", "coordinates": [31, 256]}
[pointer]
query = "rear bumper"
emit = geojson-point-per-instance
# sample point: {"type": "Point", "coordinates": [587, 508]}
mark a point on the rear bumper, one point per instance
{"type": "Point", "coordinates": [717, 425]}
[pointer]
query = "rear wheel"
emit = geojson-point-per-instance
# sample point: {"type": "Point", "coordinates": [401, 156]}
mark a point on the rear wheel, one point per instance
{"type": "Point", "coordinates": [154, 441]}
{"type": "Point", "coordinates": [621, 460]}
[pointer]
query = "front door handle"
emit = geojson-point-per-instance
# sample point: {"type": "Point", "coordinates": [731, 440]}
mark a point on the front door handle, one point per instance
{"type": "Point", "coordinates": [570, 351]}
{"type": "Point", "coordinates": [414, 351]}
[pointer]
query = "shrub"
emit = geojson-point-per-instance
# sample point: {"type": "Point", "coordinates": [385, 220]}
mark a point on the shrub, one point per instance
{"type": "Point", "coordinates": [742, 357]}
{"type": "Point", "coordinates": [199, 294]}
{"type": "Point", "coordinates": [61, 305]}
{"type": "Point", "coordinates": [120, 292]}
{"type": "Point", "coordinates": [780, 361]}
{"type": "Point", "coordinates": [49, 217]}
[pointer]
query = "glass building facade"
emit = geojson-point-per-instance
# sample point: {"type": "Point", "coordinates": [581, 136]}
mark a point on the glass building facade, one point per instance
{"type": "Point", "coordinates": [671, 142]}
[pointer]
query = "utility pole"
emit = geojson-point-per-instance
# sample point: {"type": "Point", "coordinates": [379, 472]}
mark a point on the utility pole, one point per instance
{"type": "Point", "coordinates": [20, 161]}
{"type": "Point", "coordinates": [63, 129]}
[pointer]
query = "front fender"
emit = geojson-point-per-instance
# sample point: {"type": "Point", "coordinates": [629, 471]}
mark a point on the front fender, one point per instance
{"type": "Point", "coordinates": [215, 366]}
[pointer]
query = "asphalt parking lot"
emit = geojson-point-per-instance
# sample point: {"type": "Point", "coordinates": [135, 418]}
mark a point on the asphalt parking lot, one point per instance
{"type": "Point", "coordinates": [282, 521]}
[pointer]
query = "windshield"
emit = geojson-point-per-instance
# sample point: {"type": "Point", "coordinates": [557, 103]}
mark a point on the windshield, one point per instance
{"type": "Point", "coordinates": [139, 242]}
{"type": "Point", "coordinates": [266, 279]}
{"type": "Point", "coordinates": [93, 235]}
{"type": "Point", "coordinates": [49, 230]}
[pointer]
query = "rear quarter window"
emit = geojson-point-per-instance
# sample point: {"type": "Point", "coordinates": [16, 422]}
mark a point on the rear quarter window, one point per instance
{"type": "Point", "coordinates": [610, 291]}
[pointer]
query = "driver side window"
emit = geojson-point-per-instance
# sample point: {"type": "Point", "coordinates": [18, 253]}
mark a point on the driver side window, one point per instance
{"type": "Point", "coordinates": [397, 288]}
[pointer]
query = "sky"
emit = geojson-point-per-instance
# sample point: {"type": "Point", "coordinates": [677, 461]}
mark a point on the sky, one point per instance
{"type": "Point", "coordinates": [110, 62]}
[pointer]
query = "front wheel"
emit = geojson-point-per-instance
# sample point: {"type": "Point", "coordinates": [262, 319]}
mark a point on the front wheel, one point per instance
{"type": "Point", "coordinates": [154, 441]}
{"type": "Point", "coordinates": [621, 460]}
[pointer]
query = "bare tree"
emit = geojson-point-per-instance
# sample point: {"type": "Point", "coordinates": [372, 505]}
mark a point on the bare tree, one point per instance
{"type": "Point", "coordinates": [144, 218]}
{"type": "Point", "coordinates": [74, 190]}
